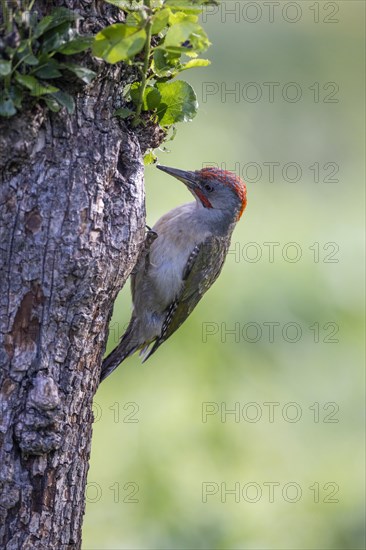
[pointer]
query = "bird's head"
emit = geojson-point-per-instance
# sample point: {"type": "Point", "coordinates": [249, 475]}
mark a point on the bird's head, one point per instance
{"type": "Point", "coordinates": [214, 188]}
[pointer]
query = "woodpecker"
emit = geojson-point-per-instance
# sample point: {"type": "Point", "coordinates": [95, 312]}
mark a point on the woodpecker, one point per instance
{"type": "Point", "coordinates": [183, 255]}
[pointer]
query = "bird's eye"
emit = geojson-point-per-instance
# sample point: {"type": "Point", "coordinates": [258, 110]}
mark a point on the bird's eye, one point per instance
{"type": "Point", "coordinates": [209, 188]}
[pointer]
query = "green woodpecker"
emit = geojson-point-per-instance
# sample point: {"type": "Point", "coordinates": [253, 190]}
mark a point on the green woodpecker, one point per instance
{"type": "Point", "coordinates": [183, 255]}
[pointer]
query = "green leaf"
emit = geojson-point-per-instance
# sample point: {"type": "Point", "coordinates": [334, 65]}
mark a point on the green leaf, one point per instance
{"type": "Point", "coordinates": [160, 20]}
{"type": "Point", "coordinates": [178, 102]}
{"type": "Point", "coordinates": [124, 4]}
{"type": "Point", "coordinates": [48, 70]}
{"type": "Point", "coordinates": [58, 36]}
{"type": "Point", "coordinates": [16, 94]}
{"type": "Point", "coordinates": [185, 37]}
{"type": "Point", "coordinates": [165, 63]}
{"type": "Point", "coordinates": [44, 24]}
{"type": "Point", "coordinates": [5, 67]}
{"type": "Point", "coordinates": [42, 90]}
{"type": "Point", "coordinates": [151, 98]}
{"type": "Point", "coordinates": [195, 63]}
{"type": "Point", "coordinates": [134, 92]}
{"type": "Point", "coordinates": [119, 42]}
{"type": "Point", "coordinates": [123, 112]}
{"type": "Point", "coordinates": [76, 45]}
{"type": "Point", "coordinates": [25, 55]}
{"type": "Point", "coordinates": [135, 19]}
{"type": "Point", "coordinates": [65, 100]}
{"type": "Point", "coordinates": [56, 18]}
{"type": "Point", "coordinates": [23, 47]}
{"type": "Point", "coordinates": [149, 158]}
{"type": "Point", "coordinates": [33, 85]}
{"type": "Point", "coordinates": [86, 75]}
{"type": "Point", "coordinates": [7, 108]}
{"type": "Point", "coordinates": [30, 59]}
{"type": "Point", "coordinates": [183, 5]}
{"type": "Point", "coordinates": [51, 104]}
{"type": "Point", "coordinates": [179, 17]}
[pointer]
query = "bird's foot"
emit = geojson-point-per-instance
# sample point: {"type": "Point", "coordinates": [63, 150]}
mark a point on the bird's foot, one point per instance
{"type": "Point", "coordinates": [144, 254]}
{"type": "Point", "coordinates": [150, 238]}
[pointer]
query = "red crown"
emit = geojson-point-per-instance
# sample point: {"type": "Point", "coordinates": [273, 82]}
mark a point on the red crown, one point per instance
{"type": "Point", "coordinates": [228, 178]}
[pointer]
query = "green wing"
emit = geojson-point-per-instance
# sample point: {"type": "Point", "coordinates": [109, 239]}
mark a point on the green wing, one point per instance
{"type": "Point", "coordinates": [203, 267]}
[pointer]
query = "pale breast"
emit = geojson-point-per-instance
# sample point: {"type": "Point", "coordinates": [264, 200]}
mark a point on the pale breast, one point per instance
{"type": "Point", "coordinates": [178, 234]}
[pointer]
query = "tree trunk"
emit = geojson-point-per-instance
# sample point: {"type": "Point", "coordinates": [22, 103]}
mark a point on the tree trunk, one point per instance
{"type": "Point", "coordinates": [72, 224]}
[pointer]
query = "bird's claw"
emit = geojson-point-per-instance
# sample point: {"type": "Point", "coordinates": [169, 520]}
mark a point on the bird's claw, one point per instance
{"type": "Point", "coordinates": [150, 238]}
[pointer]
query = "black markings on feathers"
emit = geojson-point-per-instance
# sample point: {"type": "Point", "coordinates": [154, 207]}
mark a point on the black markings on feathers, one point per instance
{"type": "Point", "coordinates": [168, 318]}
{"type": "Point", "coordinates": [190, 262]}
{"type": "Point", "coordinates": [202, 269]}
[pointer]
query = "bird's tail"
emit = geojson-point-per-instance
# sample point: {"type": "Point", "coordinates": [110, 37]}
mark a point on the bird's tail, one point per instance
{"type": "Point", "coordinates": [127, 346]}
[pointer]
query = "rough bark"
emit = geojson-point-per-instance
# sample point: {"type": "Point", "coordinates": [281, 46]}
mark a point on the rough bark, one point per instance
{"type": "Point", "coordinates": [72, 222]}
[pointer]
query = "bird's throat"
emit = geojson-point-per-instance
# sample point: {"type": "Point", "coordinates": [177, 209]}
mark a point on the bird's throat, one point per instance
{"type": "Point", "coordinates": [204, 200]}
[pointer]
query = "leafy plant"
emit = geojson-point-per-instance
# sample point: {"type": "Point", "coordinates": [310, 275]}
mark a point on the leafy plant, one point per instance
{"type": "Point", "coordinates": [30, 60]}
{"type": "Point", "coordinates": [162, 38]}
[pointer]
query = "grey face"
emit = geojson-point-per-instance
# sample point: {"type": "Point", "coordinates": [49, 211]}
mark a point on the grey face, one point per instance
{"type": "Point", "coordinates": [211, 192]}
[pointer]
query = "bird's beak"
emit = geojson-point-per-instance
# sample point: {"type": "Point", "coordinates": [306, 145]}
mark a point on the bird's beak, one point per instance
{"type": "Point", "coordinates": [188, 178]}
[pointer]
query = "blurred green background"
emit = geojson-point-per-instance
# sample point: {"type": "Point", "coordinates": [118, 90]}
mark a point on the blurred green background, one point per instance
{"type": "Point", "coordinates": [164, 461]}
